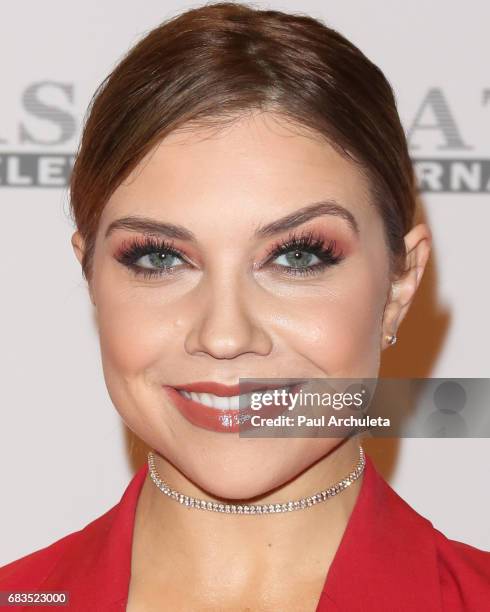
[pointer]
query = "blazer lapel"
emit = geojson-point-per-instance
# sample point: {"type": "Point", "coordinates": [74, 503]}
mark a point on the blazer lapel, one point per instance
{"type": "Point", "coordinates": [387, 557]}
{"type": "Point", "coordinates": [96, 569]}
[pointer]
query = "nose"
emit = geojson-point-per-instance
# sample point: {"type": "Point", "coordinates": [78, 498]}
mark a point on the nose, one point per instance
{"type": "Point", "coordinates": [227, 320]}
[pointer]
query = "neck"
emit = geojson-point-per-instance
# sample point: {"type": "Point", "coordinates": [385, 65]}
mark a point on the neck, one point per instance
{"type": "Point", "coordinates": [169, 537]}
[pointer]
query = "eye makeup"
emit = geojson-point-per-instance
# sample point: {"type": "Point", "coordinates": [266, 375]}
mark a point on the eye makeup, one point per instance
{"type": "Point", "coordinates": [132, 250]}
{"type": "Point", "coordinates": [325, 250]}
{"type": "Point", "coordinates": [157, 254]}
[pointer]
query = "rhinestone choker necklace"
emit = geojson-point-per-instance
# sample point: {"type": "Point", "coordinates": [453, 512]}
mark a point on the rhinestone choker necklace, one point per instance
{"type": "Point", "coordinates": [305, 502]}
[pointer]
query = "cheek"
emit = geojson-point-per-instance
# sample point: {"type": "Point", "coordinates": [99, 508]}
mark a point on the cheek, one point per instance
{"type": "Point", "coordinates": [134, 331]}
{"type": "Point", "coordinates": [339, 329]}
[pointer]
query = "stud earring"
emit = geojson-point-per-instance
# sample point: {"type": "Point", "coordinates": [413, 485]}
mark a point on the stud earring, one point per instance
{"type": "Point", "coordinates": [391, 339]}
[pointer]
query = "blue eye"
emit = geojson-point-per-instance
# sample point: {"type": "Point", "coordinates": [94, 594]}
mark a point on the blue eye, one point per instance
{"type": "Point", "coordinates": [298, 252]}
{"type": "Point", "coordinates": [297, 258]}
{"type": "Point", "coordinates": [157, 259]}
{"type": "Point", "coordinates": [151, 257]}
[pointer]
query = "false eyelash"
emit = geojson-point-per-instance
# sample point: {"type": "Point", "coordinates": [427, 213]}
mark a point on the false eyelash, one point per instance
{"type": "Point", "coordinates": [130, 251]}
{"type": "Point", "coordinates": [326, 251]}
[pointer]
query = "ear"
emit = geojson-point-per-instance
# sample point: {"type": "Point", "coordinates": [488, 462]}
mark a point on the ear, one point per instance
{"type": "Point", "coordinates": [418, 243]}
{"type": "Point", "coordinates": [78, 244]}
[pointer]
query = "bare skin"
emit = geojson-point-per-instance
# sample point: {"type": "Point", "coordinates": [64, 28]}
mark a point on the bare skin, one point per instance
{"type": "Point", "coordinates": [262, 572]}
{"type": "Point", "coordinates": [229, 313]}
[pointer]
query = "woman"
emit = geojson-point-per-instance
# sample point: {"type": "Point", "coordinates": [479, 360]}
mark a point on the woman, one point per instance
{"type": "Point", "coordinates": [244, 202]}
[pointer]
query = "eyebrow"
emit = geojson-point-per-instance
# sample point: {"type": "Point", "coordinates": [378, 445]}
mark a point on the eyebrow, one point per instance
{"type": "Point", "coordinates": [298, 217]}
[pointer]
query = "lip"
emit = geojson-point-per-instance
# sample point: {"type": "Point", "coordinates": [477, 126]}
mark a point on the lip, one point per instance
{"type": "Point", "coordinates": [227, 390]}
{"type": "Point", "coordinates": [225, 420]}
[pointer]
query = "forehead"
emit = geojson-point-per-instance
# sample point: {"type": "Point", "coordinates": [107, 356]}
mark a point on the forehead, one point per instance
{"type": "Point", "coordinates": [261, 163]}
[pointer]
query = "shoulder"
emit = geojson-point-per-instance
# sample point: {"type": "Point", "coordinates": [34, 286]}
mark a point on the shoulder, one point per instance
{"type": "Point", "coordinates": [414, 561]}
{"type": "Point", "coordinates": [464, 572]}
{"type": "Point", "coordinates": [93, 564]}
{"type": "Point", "coordinates": [34, 568]}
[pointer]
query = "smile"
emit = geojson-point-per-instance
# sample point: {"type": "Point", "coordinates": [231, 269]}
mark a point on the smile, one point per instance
{"type": "Point", "coordinates": [224, 414]}
{"type": "Point", "coordinates": [233, 402]}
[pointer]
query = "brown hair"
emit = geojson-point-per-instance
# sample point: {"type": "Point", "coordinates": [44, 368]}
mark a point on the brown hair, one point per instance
{"type": "Point", "coordinates": [212, 63]}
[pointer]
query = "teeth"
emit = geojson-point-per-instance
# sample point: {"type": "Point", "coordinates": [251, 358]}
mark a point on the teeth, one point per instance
{"type": "Point", "coordinates": [221, 403]}
{"type": "Point", "coordinates": [233, 402]}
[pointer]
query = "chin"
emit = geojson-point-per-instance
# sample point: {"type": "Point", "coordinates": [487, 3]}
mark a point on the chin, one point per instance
{"type": "Point", "coordinates": [245, 476]}
{"type": "Point", "coordinates": [236, 489]}
{"type": "Point", "coordinates": [227, 468]}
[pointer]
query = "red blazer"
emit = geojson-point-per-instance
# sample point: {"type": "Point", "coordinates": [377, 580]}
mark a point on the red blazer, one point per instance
{"type": "Point", "coordinates": [390, 559]}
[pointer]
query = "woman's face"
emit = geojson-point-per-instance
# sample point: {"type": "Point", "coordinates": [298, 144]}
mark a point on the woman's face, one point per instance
{"type": "Point", "coordinates": [226, 308]}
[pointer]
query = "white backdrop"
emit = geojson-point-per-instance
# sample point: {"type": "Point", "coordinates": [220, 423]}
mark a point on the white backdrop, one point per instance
{"type": "Point", "coordinates": [64, 452]}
